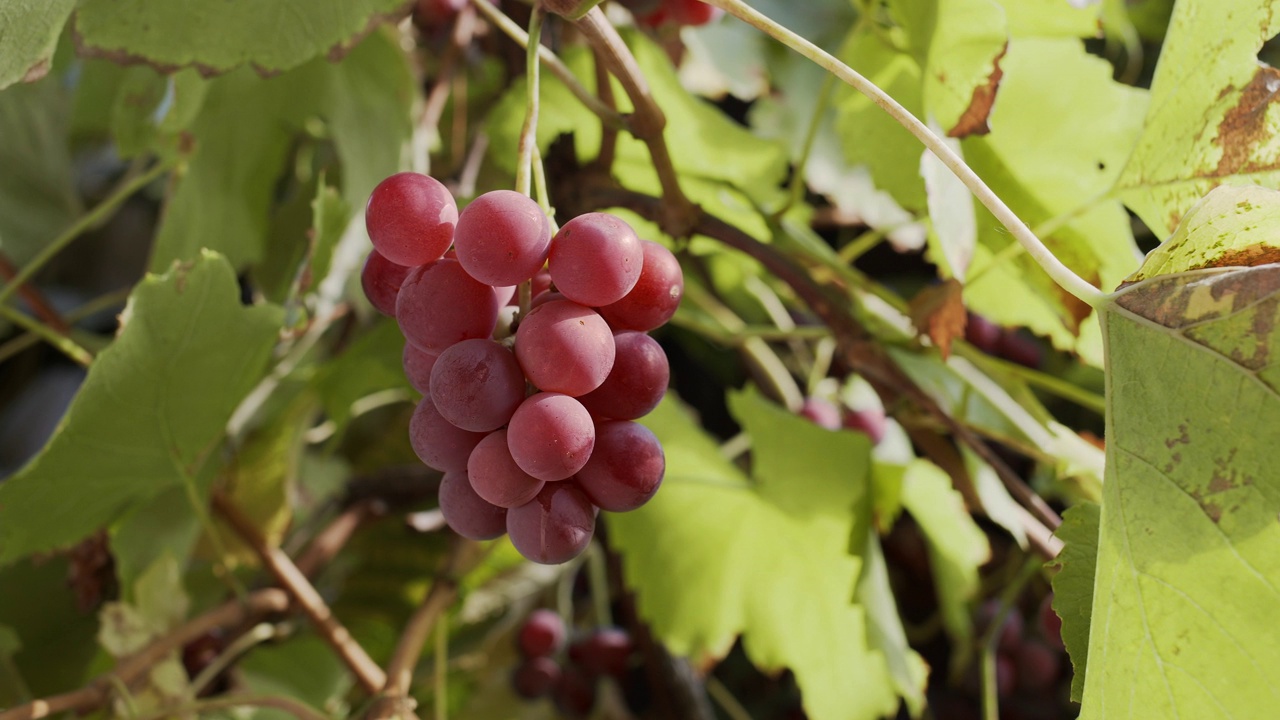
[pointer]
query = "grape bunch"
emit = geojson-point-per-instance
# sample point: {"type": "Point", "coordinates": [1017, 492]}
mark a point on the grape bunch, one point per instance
{"type": "Point", "coordinates": [531, 419]}
{"type": "Point", "coordinates": [654, 13]}
{"type": "Point", "coordinates": [571, 681]}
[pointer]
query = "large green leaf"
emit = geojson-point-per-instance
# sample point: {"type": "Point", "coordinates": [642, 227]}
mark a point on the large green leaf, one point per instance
{"type": "Point", "coordinates": [715, 555]}
{"type": "Point", "coordinates": [223, 200]}
{"type": "Point", "coordinates": [1073, 585]}
{"type": "Point", "coordinates": [151, 413]}
{"type": "Point", "coordinates": [29, 32]}
{"type": "Point", "coordinates": [1187, 574]}
{"type": "Point", "coordinates": [37, 196]}
{"type": "Point", "coordinates": [1213, 119]}
{"type": "Point", "coordinates": [216, 36]}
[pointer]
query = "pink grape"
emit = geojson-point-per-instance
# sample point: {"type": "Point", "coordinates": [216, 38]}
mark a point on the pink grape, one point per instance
{"type": "Point", "coordinates": [437, 442]}
{"type": "Point", "coordinates": [535, 677]}
{"type": "Point", "coordinates": [574, 694]}
{"type": "Point", "coordinates": [654, 298]}
{"type": "Point", "coordinates": [502, 238]}
{"type": "Point", "coordinates": [440, 304]}
{"type": "Point", "coordinates": [381, 280]}
{"type": "Point", "coordinates": [564, 347]}
{"type": "Point", "coordinates": [466, 512]}
{"type": "Point", "coordinates": [821, 412]}
{"type": "Point", "coordinates": [505, 293]}
{"type": "Point", "coordinates": [417, 367]}
{"type": "Point", "coordinates": [637, 381]}
{"type": "Point", "coordinates": [625, 469]}
{"type": "Point", "coordinates": [551, 436]}
{"type": "Point", "coordinates": [692, 12]}
{"type": "Point", "coordinates": [607, 651]}
{"type": "Point", "coordinates": [496, 477]}
{"type": "Point", "coordinates": [870, 421]}
{"type": "Point", "coordinates": [595, 259]}
{"type": "Point", "coordinates": [555, 526]}
{"type": "Point", "coordinates": [542, 633]}
{"type": "Point", "coordinates": [1038, 666]}
{"type": "Point", "coordinates": [477, 385]}
{"type": "Point", "coordinates": [410, 218]}
{"type": "Point", "coordinates": [545, 298]}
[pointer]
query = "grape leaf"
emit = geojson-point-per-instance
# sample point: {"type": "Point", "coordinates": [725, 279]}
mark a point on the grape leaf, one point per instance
{"type": "Point", "coordinates": [957, 546]}
{"type": "Point", "coordinates": [165, 523]}
{"type": "Point", "coordinates": [1213, 119]}
{"type": "Point", "coordinates": [29, 31]}
{"type": "Point", "coordinates": [57, 637]}
{"type": "Point", "coordinates": [215, 36]}
{"type": "Point", "coordinates": [223, 200]}
{"type": "Point", "coordinates": [1073, 585]}
{"type": "Point", "coordinates": [37, 194]}
{"type": "Point", "coordinates": [885, 633]}
{"type": "Point", "coordinates": [1052, 18]}
{"type": "Point", "coordinates": [151, 412]}
{"type": "Point", "coordinates": [371, 364]}
{"type": "Point", "coordinates": [1187, 577]}
{"type": "Point", "coordinates": [715, 555]}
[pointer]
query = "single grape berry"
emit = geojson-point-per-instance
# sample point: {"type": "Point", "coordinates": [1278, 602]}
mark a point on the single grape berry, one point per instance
{"type": "Point", "coordinates": [502, 238]}
{"type": "Point", "coordinates": [870, 421]}
{"type": "Point", "coordinates": [607, 651]}
{"type": "Point", "coordinates": [535, 677]}
{"type": "Point", "coordinates": [466, 512]}
{"type": "Point", "coordinates": [477, 385]}
{"type": "Point", "coordinates": [410, 218]}
{"type": "Point", "coordinates": [654, 298]}
{"type": "Point", "coordinates": [439, 443]}
{"type": "Point", "coordinates": [1050, 623]}
{"type": "Point", "coordinates": [982, 333]}
{"type": "Point", "coordinates": [595, 259]}
{"type": "Point", "coordinates": [551, 436]}
{"type": "Point", "coordinates": [565, 347]}
{"type": "Point", "coordinates": [1038, 666]}
{"type": "Point", "coordinates": [542, 634]}
{"type": "Point", "coordinates": [496, 477]}
{"type": "Point", "coordinates": [625, 468]}
{"type": "Point", "coordinates": [821, 412]}
{"type": "Point", "coordinates": [555, 527]}
{"type": "Point", "coordinates": [417, 367]}
{"type": "Point", "coordinates": [440, 304]}
{"type": "Point", "coordinates": [692, 12]}
{"type": "Point", "coordinates": [381, 280]}
{"type": "Point", "coordinates": [636, 383]}
{"type": "Point", "coordinates": [574, 694]}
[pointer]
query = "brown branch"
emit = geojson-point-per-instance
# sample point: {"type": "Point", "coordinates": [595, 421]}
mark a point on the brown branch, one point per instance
{"type": "Point", "coordinates": [367, 672]}
{"type": "Point", "coordinates": [857, 348]}
{"type": "Point", "coordinates": [326, 544]}
{"type": "Point", "coordinates": [608, 135]}
{"type": "Point", "coordinates": [677, 214]}
{"type": "Point", "coordinates": [463, 29]}
{"type": "Point", "coordinates": [444, 590]}
{"type": "Point", "coordinates": [38, 303]}
{"type": "Point", "coordinates": [257, 604]}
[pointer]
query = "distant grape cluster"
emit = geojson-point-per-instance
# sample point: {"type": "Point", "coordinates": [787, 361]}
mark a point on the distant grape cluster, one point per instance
{"type": "Point", "coordinates": [652, 13]}
{"type": "Point", "coordinates": [571, 681]}
{"type": "Point", "coordinates": [533, 429]}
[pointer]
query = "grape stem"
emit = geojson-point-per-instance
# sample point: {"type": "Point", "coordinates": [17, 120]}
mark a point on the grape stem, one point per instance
{"type": "Point", "coordinates": [367, 672]}
{"type": "Point", "coordinates": [1059, 272]}
{"type": "Point", "coordinates": [39, 304]}
{"type": "Point", "coordinates": [256, 605]}
{"type": "Point", "coordinates": [529, 131]}
{"type": "Point", "coordinates": [557, 67]}
{"type": "Point", "coordinates": [62, 343]}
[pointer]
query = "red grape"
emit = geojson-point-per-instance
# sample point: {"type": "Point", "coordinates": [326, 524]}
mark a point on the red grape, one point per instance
{"type": "Point", "coordinates": [535, 677]}
{"type": "Point", "coordinates": [595, 259]}
{"type": "Point", "coordinates": [551, 436]}
{"type": "Point", "coordinates": [417, 367]}
{"type": "Point", "coordinates": [821, 412]}
{"type": "Point", "coordinates": [410, 218]}
{"type": "Point", "coordinates": [542, 633]}
{"type": "Point", "coordinates": [982, 333]}
{"type": "Point", "coordinates": [636, 383]}
{"type": "Point", "coordinates": [502, 238]}
{"type": "Point", "coordinates": [1006, 675]}
{"type": "Point", "coordinates": [625, 468]}
{"type": "Point", "coordinates": [565, 347]}
{"type": "Point", "coordinates": [692, 12]}
{"type": "Point", "coordinates": [381, 280]}
{"type": "Point", "coordinates": [555, 526]}
{"type": "Point", "coordinates": [544, 298]}
{"type": "Point", "coordinates": [1019, 349]}
{"type": "Point", "coordinates": [870, 421]}
{"type": "Point", "coordinates": [654, 298]}
{"type": "Point", "coordinates": [477, 385]}
{"type": "Point", "coordinates": [466, 512]}
{"type": "Point", "coordinates": [607, 651]}
{"type": "Point", "coordinates": [437, 442]}
{"type": "Point", "coordinates": [1038, 666]}
{"type": "Point", "coordinates": [496, 477]}
{"type": "Point", "coordinates": [1010, 632]}
{"type": "Point", "coordinates": [440, 304]}
{"type": "Point", "coordinates": [574, 694]}
{"type": "Point", "coordinates": [1050, 623]}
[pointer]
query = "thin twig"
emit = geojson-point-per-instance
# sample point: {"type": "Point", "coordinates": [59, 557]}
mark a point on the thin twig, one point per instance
{"type": "Point", "coordinates": [257, 604]}
{"type": "Point", "coordinates": [463, 29]}
{"type": "Point", "coordinates": [529, 131]}
{"type": "Point", "coordinates": [608, 135]}
{"type": "Point", "coordinates": [62, 343]}
{"type": "Point", "coordinates": [326, 544]}
{"type": "Point", "coordinates": [553, 63]}
{"type": "Point", "coordinates": [39, 304]}
{"type": "Point", "coordinates": [367, 672]}
{"type": "Point", "coordinates": [291, 706]}
{"type": "Point", "coordinates": [99, 213]}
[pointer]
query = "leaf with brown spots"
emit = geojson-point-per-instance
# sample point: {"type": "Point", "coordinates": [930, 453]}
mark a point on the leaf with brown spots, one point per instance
{"type": "Point", "coordinates": [1187, 577]}
{"type": "Point", "coordinates": [1214, 119]}
{"type": "Point", "coordinates": [938, 311]}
